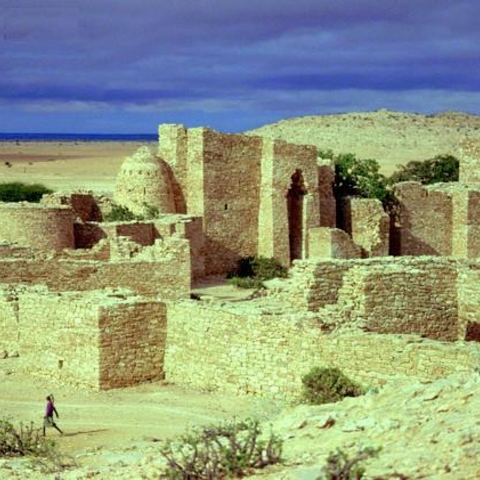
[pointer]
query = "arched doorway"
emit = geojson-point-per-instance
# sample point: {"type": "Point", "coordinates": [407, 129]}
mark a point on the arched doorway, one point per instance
{"type": "Point", "coordinates": [295, 197]}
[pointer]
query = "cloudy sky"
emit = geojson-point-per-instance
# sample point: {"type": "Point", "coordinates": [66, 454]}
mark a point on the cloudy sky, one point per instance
{"type": "Point", "coordinates": [124, 66]}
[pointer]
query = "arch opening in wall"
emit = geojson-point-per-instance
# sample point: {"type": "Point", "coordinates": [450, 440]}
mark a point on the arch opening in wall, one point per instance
{"type": "Point", "coordinates": [295, 207]}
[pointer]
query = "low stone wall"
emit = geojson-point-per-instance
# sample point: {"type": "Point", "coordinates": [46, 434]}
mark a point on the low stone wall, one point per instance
{"type": "Point", "coordinates": [154, 271]}
{"type": "Point", "coordinates": [267, 354]}
{"type": "Point", "coordinates": [95, 339]}
{"type": "Point", "coordinates": [132, 343]}
{"type": "Point", "coordinates": [331, 243]}
{"type": "Point", "coordinates": [469, 302]}
{"type": "Point", "coordinates": [403, 297]}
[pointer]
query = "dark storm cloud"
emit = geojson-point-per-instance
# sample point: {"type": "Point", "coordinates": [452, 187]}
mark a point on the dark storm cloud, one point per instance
{"type": "Point", "coordinates": [219, 54]}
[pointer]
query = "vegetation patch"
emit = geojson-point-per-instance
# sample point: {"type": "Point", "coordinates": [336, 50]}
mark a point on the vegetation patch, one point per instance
{"type": "Point", "coordinates": [328, 385]}
{"type": "Point", "coordinates": [340, 467]}
{"type": "Point", "coordinates": [21, 192]}
{"type": "Point", "coordinates": [120, 213]}
{"type": "Point", "coordinates": [232, 449]}
{"type": "Point", "coordinates": [251, 272]}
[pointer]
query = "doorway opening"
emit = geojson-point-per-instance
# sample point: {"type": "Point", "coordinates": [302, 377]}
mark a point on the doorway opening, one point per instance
{"type": "Point", "coordinates": [295, 207]}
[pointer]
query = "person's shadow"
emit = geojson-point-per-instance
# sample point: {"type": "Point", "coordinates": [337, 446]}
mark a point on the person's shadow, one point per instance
{"type": "Point", "coordinates": [84, 432]}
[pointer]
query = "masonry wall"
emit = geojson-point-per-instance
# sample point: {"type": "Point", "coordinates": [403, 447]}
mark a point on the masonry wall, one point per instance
{"type": "Point", "coordinates": [267, 355]}
{"type": "Point", "coordinates": [95, 339]}
{"type": "Point", "coordinates": [426, 219]}
{"type": "Point", "coordinates": [326, 179]}
{"type": "Point", "coordinates": [466, 222]}
{"type": "Point", "coordinates": [54, 335]}
{"type": "Point", "coordinates": [83, 204]}
{"type": "Point", "coordinates": [368, 225]}
{"type": "Point", "coordinates": [327, 242]}
{"type": "Point", "coordinates": [279, 227]}
{"type": "Point", "coordinates": [403, 298]}
{"type": "Point", "coordinates": [223, 188]}
{"type": "Point", "coordinates": [469, 302]}
{"type": "Point", "coordinates": [131, 343]}
{"type": "Point", "coordinates": [168, 276]}
{"type": "Point", "coordinates": [38, 226]}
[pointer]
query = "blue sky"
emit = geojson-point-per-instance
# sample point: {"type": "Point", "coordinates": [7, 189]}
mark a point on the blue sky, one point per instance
{"type": "Point", "coordinates": [124, 66]}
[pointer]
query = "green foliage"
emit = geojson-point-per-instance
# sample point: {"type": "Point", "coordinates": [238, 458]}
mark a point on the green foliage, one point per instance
{"type": "Point", "coordinates": [251, 272]}
{"type": "Point", "coordinates": [340, 467]}
{"type": "Point", "coordinates": [442, 168]}
{"type": "Point", "coordinates": [328, 385]}
{"type": "Point", "coordinates": [120, 213]}
{"type": "Point", "coordinates": [231, 449]}
{"type": "Point", "coordinates": [357, 177]}
{"type": "Point", "coordinates": [21, 192]}
{"type": "Point", "coordinates": [24, 441]}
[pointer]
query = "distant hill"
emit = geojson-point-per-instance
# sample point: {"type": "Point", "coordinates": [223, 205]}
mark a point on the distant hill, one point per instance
{"type": "Point", "coordinates": [391, 138]}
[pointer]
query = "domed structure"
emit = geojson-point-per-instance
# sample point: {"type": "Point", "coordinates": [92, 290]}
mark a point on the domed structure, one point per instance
{"type": "Point", "coordinates": [144, 183]}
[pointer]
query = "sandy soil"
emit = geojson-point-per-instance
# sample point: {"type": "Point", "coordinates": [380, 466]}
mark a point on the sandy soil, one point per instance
{"type": "Point", "coordinates": [66, 165]}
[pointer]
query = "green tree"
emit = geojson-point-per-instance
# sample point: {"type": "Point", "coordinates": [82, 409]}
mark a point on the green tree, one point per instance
{"type": "Point", "coordinates": [441, 168]}
{"type": "Point", "coordinates": [21, 192]}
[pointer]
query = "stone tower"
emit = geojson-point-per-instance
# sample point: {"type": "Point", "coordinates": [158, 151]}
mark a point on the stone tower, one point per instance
{"type": "Point", "coordinates": [144, 182]}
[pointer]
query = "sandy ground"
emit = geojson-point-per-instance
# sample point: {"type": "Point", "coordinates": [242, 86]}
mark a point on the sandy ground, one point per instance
{"type": "Point", "coordinates": [66, 165]}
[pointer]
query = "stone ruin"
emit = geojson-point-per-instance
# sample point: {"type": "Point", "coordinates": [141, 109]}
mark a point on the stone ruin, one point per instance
{"type": "Point", "coordinates": [107, 304]}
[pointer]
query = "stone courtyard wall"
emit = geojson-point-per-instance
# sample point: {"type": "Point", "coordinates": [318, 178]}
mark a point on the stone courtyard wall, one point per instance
{"type": "Point", "coordinates": [267, 354]}
{"type": "Point", "coordinates": [469, 302]}
{"type": "Point", "coordinates": [131, 343]}
{"type": "Point", "coordinates": [38, 226]}
{"type": "Point", "coordinates": [153, 272]}
{"type": "Point", "coordinates": [466, 221]}
{"type": "Point", "coordinates": [405, 297]}
{"type": "Point", "coordinates": [94, 339]}
{"type": "Point", "coordinates": [83, 204]}
{"type": "Point", "coordinates": [426, 219]}
{"type": "Point", "coordinates": [324, 242]}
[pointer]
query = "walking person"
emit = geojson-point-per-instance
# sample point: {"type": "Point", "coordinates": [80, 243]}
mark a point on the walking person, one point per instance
{"type": "Point", "coordinates": [48, 420]}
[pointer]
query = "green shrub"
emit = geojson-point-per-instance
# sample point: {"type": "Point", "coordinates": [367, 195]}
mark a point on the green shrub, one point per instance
{"type": "Point", "coordinates": [231, 449]}
{"type": "Point", "coordinates": [119, 213]}
{"type": "Point", "coordinates": [340, 467]}
{"type": "Point", "coordinates": [328, 385]}
{"type": "Point", "coordinates": [21, 192]}
{"type": "Point", "coordinates": [25, 441]}
{"type": "Point", "coordinates": [251, 272]}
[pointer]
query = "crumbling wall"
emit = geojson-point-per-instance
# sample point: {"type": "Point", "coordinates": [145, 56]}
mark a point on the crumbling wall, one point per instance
{"type": "Point", "coordinates": [426, 219]}
{"type": "Point", "coordinates": [267, 354]}
{"type": "Point", "coordinates": [408, 297]}
{"type": "Point", "coordinates": [328, 206]}
{"type": "Point", "coordinates": [469, 302]}
{"type": "Point", "coordinates": [98, 339]}
{"type": "Point", "coordinates": [289, 200]}
{"type": "Point", "coordinates": [368, 224]}
{"type": "Point", "coordinates": [223, 180]}
{"type": "Point", "coordinates": [83, 204]}
{"type": "Point", "coordinates": [38, 226]}
{"type": "Point", "coordinates": [131, 343]}
{"type": "Point", "coordinates": [466, 221]}
{"type": "Point", "coordinates": [162, 269]}
{"type": "Point", "coordinates": [331, 243]}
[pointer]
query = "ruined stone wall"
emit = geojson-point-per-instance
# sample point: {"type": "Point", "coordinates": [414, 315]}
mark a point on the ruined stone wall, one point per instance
{"type": "Point", "coordinates": [284, 222]}
{"type": "Point", "coordinates": [466, 221]}
{"type": "Point", "coordinates": [167, 275]}
{"type": "Point", "coordinates": [84, 205]}
{"type": "Point", "coordinates": [172, 148]}
{"type": "Point", "coordinates": [223, 188]}
{"type": "Point", "coordinates": [326, 179]}
{"type": "Point", "coordinates": [426, 219]}
{"type": "Point", "coordinates": [52, 334]}
{"type": "Point", "coordinates": [95, 339]}
{"type": "Point", "coordinates": [469, 302]}
{"type": "Point", "coordinates": [38, 226]}
{"type": "Point", "coordinates": [418, 297]}
{"type": "Point", "coordinates": [131, 343]}
{"type": "Point", "coordinates": [368, 225]}
{"type": "Point", "coordinates": [267, 354]}
{"type": "Point", "coordinates": [327, 242]}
